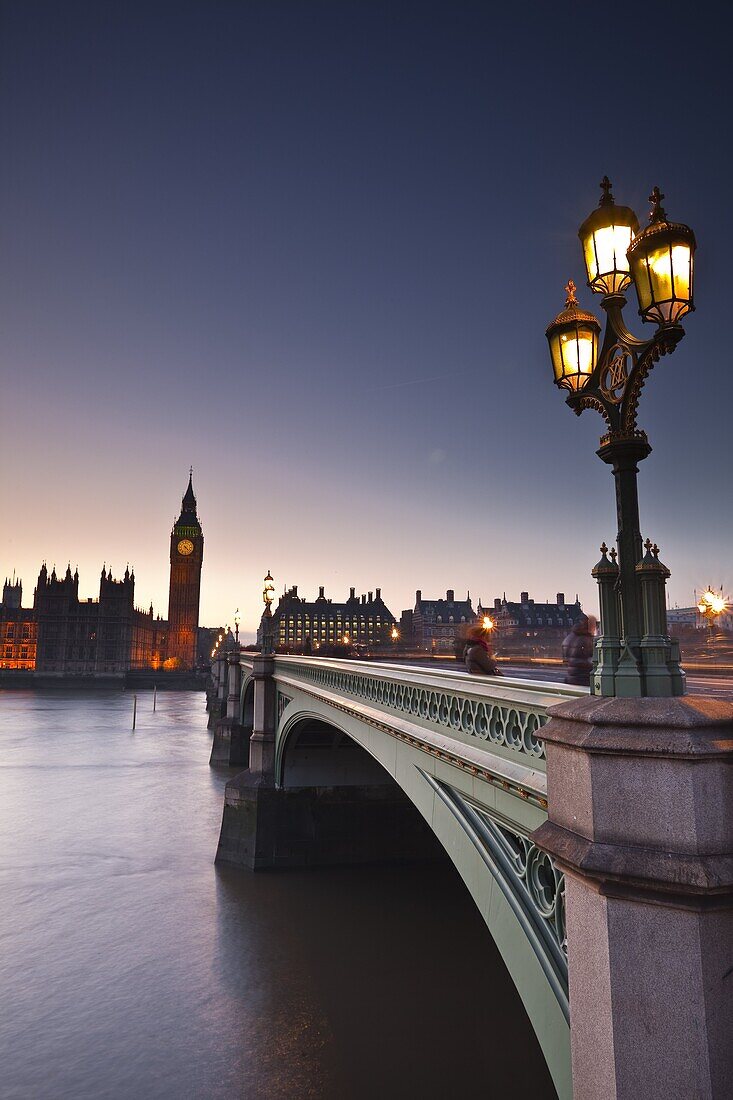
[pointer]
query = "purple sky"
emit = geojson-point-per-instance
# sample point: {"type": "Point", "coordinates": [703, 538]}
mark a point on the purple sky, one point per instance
{"type": "Point", "coordinates": [311, 249]}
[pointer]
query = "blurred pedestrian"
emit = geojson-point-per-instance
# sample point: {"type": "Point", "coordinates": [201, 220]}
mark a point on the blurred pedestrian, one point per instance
{"type": "Point", "coordinates": [577, 651]}
{"type": "Point", "coordinates": [478, 654]}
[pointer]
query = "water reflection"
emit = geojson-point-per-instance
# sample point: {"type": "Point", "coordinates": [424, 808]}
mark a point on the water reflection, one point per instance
{"type": "Point", "coordinates": [131, 966]}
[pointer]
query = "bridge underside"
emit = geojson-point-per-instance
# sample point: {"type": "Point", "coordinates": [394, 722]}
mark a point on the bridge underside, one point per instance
{"type": "Point", "coordinates": [336, 805]}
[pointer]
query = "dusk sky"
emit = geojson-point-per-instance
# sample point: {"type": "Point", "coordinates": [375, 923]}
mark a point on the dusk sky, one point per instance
{"type": "Point", "coordinates": [311, 249]}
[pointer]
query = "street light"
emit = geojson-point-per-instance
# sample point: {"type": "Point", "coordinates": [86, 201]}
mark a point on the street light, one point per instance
{"type": "Point", "coordinates": [237, 621]}
{"type": "Point", "coordinates": [394, 634]}
{"type": "Point", "coordinates": [487, 622]}
{"type": "Point", "coordinates": [710, 606]}
{"type": "Point", "coordinates": [634, 656]}
{"type": "Point", "coordinates": [268, 595]}
{"type": "Point", "coordinates": [662, 261]}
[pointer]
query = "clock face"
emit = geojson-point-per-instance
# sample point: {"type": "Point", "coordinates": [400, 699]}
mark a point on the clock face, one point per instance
{"type": "Point", "coordinates": [185, 547]}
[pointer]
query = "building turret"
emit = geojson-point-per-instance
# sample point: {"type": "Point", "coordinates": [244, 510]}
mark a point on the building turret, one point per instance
{"type": "Point", "coordinates": [12, 593]}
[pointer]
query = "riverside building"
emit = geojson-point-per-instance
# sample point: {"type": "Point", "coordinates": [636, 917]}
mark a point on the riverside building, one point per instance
{"type": "Point", "coordinates": [360, 620]}
{"type": "Point", "coordinates": [438, 624]}
{"type": "Point", "coordinates": [527, 619]}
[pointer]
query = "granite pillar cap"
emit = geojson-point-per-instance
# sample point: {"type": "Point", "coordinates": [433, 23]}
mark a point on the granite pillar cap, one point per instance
{"type": "Point", "coordinates": [683, 726]}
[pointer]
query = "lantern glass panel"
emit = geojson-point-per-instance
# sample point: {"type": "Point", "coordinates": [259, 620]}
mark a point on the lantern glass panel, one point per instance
{"type": "Point", "coordinates": [664, 282]}
{"type": "Point", "coordinates": [573, 352]}
{"type": "Point", "coordinates": [606, 264]}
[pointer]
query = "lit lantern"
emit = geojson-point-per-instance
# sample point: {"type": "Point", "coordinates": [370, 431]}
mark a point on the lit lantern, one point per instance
{"type": "Point", "coordinates": [662, 263]}
{"type": "Point", "coordinates": [606, 235]}
{"type": "Point", "coordinates": [268, 593]}
{"type": "Point", "coordinates": [573, 340]}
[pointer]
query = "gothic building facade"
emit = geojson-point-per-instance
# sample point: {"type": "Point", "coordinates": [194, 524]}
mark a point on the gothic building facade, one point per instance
{"type": "Point", "coordinates": [17, 629]}
{"type": "Point", "coordinates": [63, 635]}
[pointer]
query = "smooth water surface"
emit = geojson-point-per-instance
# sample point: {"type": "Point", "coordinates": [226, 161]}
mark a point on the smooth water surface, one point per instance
{"type": "Point", "coordinates": [131, 966]}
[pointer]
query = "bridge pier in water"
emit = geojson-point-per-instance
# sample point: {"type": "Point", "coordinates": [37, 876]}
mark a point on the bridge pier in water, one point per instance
{"type": "Point", "coordinates": [233, 730]}
{"type": "Point", "coordinates": [335, 804]}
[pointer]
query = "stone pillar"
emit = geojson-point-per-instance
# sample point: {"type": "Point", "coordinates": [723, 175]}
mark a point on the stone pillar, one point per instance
{"type": "Point", "coordinates": [262, 741]}
{"type": "Point", "coordinates": [230, 744]}
{"type": "Point", "coordinates": [640, 795]}
{"type": "Point", "coordinates": [608, 644]}
{"type": "Point", "coordinates": [221, 687]}
{"type": "Point", "coordinates": [252, 806]}
{"type": "Point", "coordinates": [234, 684]}
{"type": "Point", "coordinates": [217, 707]}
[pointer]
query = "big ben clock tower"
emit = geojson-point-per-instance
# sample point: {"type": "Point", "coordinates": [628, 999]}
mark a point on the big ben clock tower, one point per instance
{"type": "Point", "coordinates": [187, 555]}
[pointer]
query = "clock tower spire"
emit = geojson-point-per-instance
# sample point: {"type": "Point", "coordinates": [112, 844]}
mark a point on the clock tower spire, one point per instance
{"type": "Point", "coordinates": [187, 555]}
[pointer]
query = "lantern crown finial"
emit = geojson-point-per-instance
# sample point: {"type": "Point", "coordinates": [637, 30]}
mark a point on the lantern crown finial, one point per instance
{"type": "Point", "coordinates": [571, 298]}
{"type": "Point", "coordinates": [657, 212]}
{"type": "Point", "coordinates": [607, 198]}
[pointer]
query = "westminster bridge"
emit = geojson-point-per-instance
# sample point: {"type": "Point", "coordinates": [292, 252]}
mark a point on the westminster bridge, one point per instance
{"type": "Point", "coordinates": [593, 834]}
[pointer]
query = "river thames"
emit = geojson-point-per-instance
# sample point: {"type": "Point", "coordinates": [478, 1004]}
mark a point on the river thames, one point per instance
{"type": "Point", "coordinates": [131, 966]}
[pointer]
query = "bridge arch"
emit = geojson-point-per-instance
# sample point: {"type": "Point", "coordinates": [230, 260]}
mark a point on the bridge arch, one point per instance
{"type": "Point", "coordinates": [247, 702]}
{"type": "Point", "coordinates": [513, 884]}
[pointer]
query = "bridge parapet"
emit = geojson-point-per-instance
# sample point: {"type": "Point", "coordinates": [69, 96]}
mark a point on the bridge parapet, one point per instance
{"type": "Point", "coordinates": [505, 714]}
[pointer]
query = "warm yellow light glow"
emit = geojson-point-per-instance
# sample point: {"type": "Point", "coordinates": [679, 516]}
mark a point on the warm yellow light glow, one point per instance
{"type": "Point", "coordinates": [395, 633]}
{"type": "Point", "coordinates": [346, 639]}
{"type": "Point", "coordinates": [711, 603]}
{"type": "Point", "coordinates": [488, 623]}
{"type": "Point", "coordinates": [605, 258]}
{"type": "Point", "coordinates": [573, 356]}
{"type": "Point", "coordinates": [573, 340]}
{"type": "Point", "coordinates": [662, 264]}
{"type": "Point", "coordinates": [671, 270]}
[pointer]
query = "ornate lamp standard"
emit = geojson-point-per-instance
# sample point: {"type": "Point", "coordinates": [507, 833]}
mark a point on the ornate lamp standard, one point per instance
{"type": "Point", "coordinates": [237, 621]}
{"type": "Point", "coordinates": [634, 656]}
{"type": "Point", "coordinates": [710, 606]}
{"type": "Point", "coordinates": [268, 634]}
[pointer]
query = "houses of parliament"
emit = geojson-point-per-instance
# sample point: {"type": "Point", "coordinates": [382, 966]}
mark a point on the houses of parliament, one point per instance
{"type": "Point", "coordinates": [61, 635]}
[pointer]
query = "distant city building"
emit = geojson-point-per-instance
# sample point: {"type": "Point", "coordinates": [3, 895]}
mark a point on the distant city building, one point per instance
{"type": "Point", "coordinates": [407, 627]}
{"type": "Point", "coordinates": [360, 620]}
{"type": "Point", "coordinates": [65, 636]}
{"type": "Point", "coordinates": [437, 624]}
{"type": "Point", "coordinates": [530, 619]}
{"type": "Point", "coordinates": [684, 616]}
{"type": "Point", "coordinates": [690, 618]}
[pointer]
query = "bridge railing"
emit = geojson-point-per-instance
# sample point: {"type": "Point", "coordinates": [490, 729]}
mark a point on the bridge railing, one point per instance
{"type": "Point", "coordinates": [504, 714]}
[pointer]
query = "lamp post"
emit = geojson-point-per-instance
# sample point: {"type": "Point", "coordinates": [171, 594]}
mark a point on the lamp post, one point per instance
{"type": "Point", "coordinates": [487, 622]}
{"type": "Point", "coordinates": [710, 606]}
{"type": "Point", "coordinates": [634, 656]}
{"type": "Point", "coordinates": [237, 621]}
{"type": "Point", "coordinates": [268, 595]}
{"type": "Point", "coordinates": [395, 636]}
